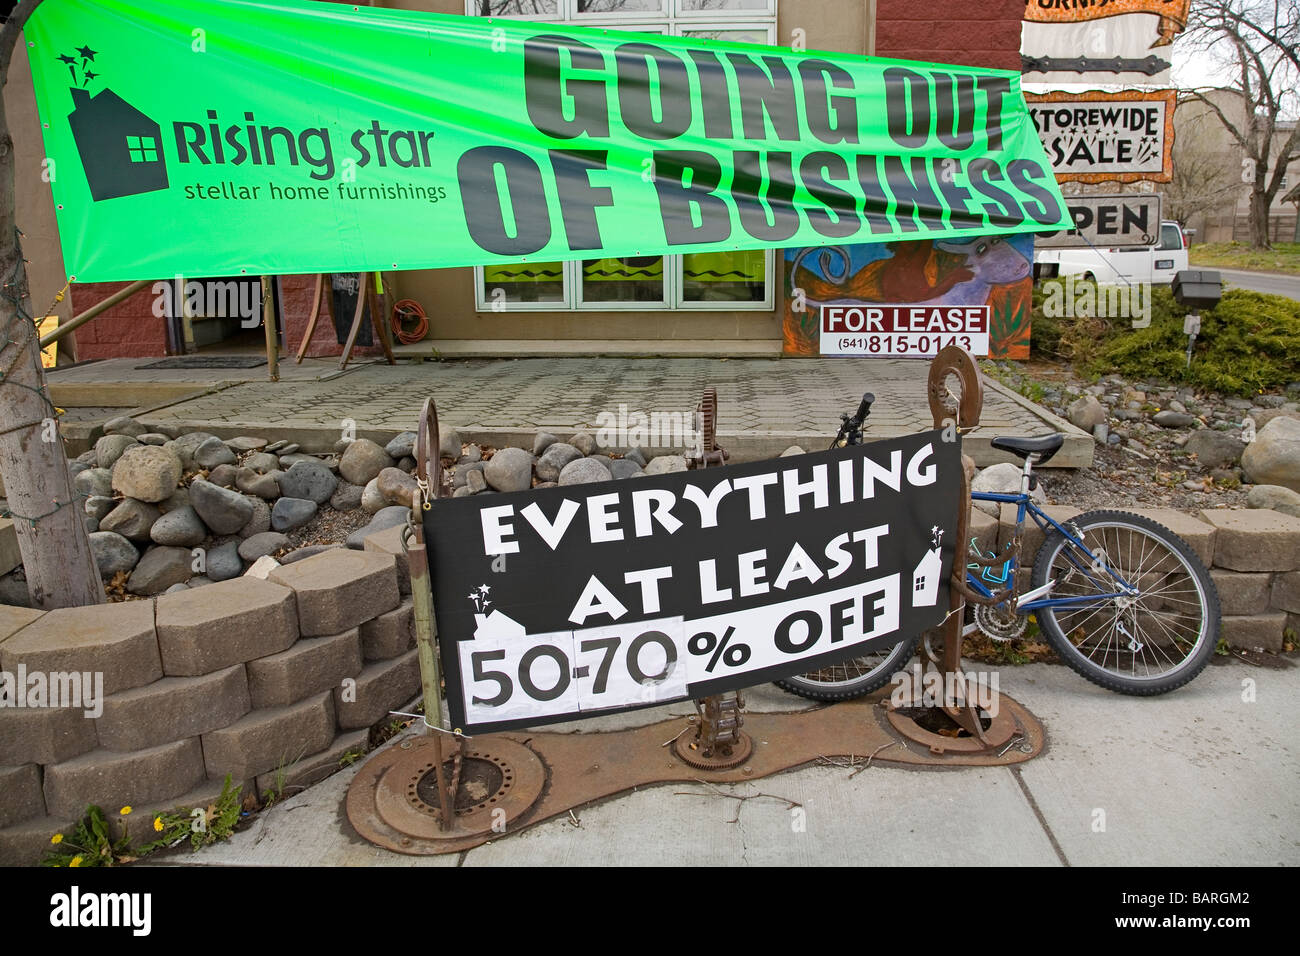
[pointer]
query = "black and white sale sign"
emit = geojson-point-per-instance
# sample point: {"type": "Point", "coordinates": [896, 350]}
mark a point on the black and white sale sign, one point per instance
{"type": "Point", "coordinates": [560, 603]}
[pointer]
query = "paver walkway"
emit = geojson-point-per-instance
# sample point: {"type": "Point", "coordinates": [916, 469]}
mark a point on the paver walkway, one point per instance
{"type": "Point", "coordinates": [764, 405]}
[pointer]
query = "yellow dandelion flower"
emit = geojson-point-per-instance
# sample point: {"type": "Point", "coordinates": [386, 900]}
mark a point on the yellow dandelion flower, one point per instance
{"type": "Point", "coordinates": [57, 838]}
{"type": "Point", "coordinates": [157, 824]}
{"type": "Point", "coordinates": [76, 861]}
{"type": "Point", "coordinates": [125, 811]}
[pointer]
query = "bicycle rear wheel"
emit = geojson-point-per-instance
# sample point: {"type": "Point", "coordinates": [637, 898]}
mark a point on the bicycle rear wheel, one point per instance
{"type": "Point", "coordinates": [1150, 641]}
{"type": "Point", "coordinates": [853, 678]}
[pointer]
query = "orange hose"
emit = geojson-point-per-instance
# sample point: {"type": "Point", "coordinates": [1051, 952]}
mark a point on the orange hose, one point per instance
{"type": "Point", "coordinates": [404, 311]}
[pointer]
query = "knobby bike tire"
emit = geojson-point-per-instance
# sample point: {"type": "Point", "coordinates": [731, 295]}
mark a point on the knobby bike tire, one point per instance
{"type": "Point", "coordinates": [877, 675]}
{"type": "Point", "coordinates": [1172, 626]}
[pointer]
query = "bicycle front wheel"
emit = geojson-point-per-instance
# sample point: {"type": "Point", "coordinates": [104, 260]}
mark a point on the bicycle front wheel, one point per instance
{"type": "Point", "coordinates": [1148, 640]}
{"type": "Point", "coordinates": [855, 677]}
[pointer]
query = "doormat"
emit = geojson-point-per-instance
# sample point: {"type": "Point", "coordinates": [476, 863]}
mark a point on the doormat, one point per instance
{"type": "Point", "coordinates": [207, 361]}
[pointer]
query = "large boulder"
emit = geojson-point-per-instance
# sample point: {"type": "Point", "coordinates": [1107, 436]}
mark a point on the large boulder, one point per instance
{"type": "Point", "coordinates": [1273, 458]}
{"type": "Point", "coordinates": [147, 473]}
{"type": "Point", "coordinates": [396, 486]}
{"type": "Point", "coordinates": [222, 510]}
{"type": "Point", "coordinates": [511, 469]}
{"type": "Point", "coordinates": [93, 482]}
{"type": "Point", "coordinates": [362, 461]}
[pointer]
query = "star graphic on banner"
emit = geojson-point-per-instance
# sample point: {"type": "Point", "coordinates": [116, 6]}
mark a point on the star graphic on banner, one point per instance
{"type": "Point", "coordinates": [67, 59]}
{"type": "Point", "coordinates": [484, 589]}
{"type": "Point", "coordinates": [90, 75]}
{"type": "Point", "coordinates": [86, 53]}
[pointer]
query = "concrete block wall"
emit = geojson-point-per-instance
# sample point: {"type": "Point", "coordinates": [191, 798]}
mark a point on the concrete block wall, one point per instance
{"type": "Point", "coordinates": [271, 681]}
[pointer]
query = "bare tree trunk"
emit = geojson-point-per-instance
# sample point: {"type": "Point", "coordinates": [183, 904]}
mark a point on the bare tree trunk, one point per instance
{"type": "Point", "coordinates": [1259, 238]}
{"type": "Point", "coordinates": [47, 514]}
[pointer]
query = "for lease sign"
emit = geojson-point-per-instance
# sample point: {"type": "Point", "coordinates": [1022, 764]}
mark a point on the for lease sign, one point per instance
{"type": "Point", "coordinates": [559, 603]}
{"type": "Point", "coordinates": [914, 331]}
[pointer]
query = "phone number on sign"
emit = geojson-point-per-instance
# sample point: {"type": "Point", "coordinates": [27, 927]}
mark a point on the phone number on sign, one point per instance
{"type": "Point", "coordinates": [903, 343]}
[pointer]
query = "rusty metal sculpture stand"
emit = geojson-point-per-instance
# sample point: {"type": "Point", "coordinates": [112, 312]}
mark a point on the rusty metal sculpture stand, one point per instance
{"type": "Point", "coordinates": [956, 401]}
{"type": "Point", "coordinates": [443, 792]}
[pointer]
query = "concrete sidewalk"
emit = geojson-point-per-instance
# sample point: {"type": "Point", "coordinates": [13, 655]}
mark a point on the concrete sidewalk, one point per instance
{"type": "Point", "coordinates": [764, 405]}
{"type": "Point", "coordinates": [1200, 777]}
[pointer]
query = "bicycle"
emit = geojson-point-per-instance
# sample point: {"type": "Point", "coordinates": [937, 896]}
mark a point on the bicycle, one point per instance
{"type": "Point", "coordinates": [1122, 600]}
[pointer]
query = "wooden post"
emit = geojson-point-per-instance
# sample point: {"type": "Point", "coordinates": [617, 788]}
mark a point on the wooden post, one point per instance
{"type": "Point", "coordinates": [48, 515]}
{"type": "Point", "coordinates": [268, 321]}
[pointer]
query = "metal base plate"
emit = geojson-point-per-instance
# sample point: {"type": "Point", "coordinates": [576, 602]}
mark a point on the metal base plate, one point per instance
{"type": "Point", "coordinates": [565, 771]}
{"type": "Point", "coordinates": [688, 749]}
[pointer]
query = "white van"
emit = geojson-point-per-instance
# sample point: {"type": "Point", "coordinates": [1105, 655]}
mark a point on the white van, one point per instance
{"type": "Point", "coordinates": [1155, 264]}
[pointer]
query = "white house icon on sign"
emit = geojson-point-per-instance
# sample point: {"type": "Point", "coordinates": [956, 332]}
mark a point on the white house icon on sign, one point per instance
{"type": "Point", "coordinates": [925, 577]}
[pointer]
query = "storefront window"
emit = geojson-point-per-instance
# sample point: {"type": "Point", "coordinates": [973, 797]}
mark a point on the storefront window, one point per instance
{"type": "Point", "coordinates": [740, 279]}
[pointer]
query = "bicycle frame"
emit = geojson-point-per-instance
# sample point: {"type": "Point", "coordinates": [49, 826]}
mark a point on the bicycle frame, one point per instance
{"type": "Point", "coordinates": [1040, 597]}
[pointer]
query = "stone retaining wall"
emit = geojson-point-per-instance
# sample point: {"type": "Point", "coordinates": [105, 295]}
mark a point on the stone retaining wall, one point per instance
{"type": "Point", "coordinates": [271, 681]}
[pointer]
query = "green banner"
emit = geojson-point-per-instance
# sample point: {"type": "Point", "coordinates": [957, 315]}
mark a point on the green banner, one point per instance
{"type": "Point", "coordinates": [222, 137]}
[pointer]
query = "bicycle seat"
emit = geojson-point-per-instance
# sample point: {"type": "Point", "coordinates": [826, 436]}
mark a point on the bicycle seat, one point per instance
{"type": "Point", "coordinates": [1044, 446]}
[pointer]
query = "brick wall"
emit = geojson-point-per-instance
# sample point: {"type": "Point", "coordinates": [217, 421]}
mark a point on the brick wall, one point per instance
{"type": "Point", "coordinates": [967, 32]}
{"type": "Point", "coordinates": [271, 681]}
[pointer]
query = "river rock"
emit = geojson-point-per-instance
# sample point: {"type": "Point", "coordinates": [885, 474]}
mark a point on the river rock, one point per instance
{"type": "Point", "coordinates": [268, 542]}
{"type": "Point", "coordinates": [1213, 448]}
{"type": "Point", "coordinates": [113, 553]}
{"type": "Point", "coordinates": [159, 569]}
{"type": "Point", "coordinates": [110, 448]}
{"type": "Point", "coordinates": [1086, 413]}
{"type": "Point", "coordinates": [401, 446]}
{"type": "Point", "coordinates": [180, 498]}
{"type": "Point", "coordinates": [97, 506]}
{"type": "Point", "coordinates": [251, 483]}
{"type": "Point", "coordinates": [1169, 419]}
{"type": "Point", "coordinates": [124, 425]}
{"type": "Point", "coordinates": [1263, 416]}
{"type": "Point", "coordinates": [448, 442]}
{"type": "Point", "coordinates": [396, 486]}
{"type": "Point", "coordinates": [212, 453]}
{"type": "Point", "coordinates": [634, 454]}
{"type": "Point", "coordinates": [291, 513]}
{"type": "Point", "coordinates": [245, 443]}
{"type": "Point", "coordinates": [584, 471]}
{"type": "Point", "coordinates": [1275, 497]}
{"type": "Point", "coordinates": [471, 454]}
{"type": "Point", "coordinates": [146, 472]}
{"type": "Point", "coordinates": [308, 552]}
{"type": "Point", "coordinates": [584, 442]}
{"type": "Point", "coordinates": [665, 464]}
{"type": "Point", "coordinates": [476, 482]}
{"type": "Point", "coordinates": [543, 441]}
{"type": "Point", "coordinates": [262, 462]}
{"type": "Point", "coordinates": [384, 518]}
{"type": "Point", "coordinates": [131, 519]}
{"type": "Point", "coordinates": [1273, 458]}
{"type": "Point", "coordinates": [346, 496]}
{"type": "Point", "coordinates": [223, 562]}
{"type": "Point", "coordinates": [553, 460]}
{"type": "Point", "coordinates": [511, 469]}
{"type": "Point", "coordinates": [310, 480]}
{"type": "Point", "coordinates": [624, 468]}
{"type": "Point", "coordinates": [180, 528]}
{"type": "Point", "coordinates": [222, 510]}
{"type": "Point", "coordinates": [372, 499]}
{"type": "Point", "coordinates": [261, 519]}
{"type": "Point", "coordinates": [362, 461]}
{"type": "Point", "coordinates": [223, 475]}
